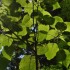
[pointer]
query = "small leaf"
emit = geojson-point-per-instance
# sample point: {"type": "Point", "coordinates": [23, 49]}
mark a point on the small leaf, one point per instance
{"type": "Point", "coordinates": [56, 6]}
{"type": "Point", "coordinates": [52, 49]}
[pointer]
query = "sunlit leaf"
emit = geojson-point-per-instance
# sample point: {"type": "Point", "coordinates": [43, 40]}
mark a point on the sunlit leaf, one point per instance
{"type": "Point", "coordinates": [56, 6]}
{"type": "Point", "coordinates": [68, 26]}
{"type": "Point", "coordinates": [5, 41]}
{"type": "Point", "coordinates": [41, 36]}
{"type": "Point", "coordinates": [22, 3]}
{"type": "Point", "coordinates": [6, 55]}
{"type": "Point", "coordinates": [7, 2]}
{"type": "Point", "coordinates": [52, 49]}
{"type": "Point", "coordinates": [57, 19]}
{"type": "Point", "coordinates": [42, 49]}
{"type": "Point", "coordinates": [51, 34]}
{"type": "Point", "coordinates": [66, 62]}
{"type": "Point", "coordinates": [42, 27]}
{"type": "Point", "coordinates": [23, 32]}
{"type": "Point", "coordinates": [27, 63]}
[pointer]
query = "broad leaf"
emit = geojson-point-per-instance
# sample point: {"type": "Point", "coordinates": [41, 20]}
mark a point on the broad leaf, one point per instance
{"type": "Point", "coordinates": [7, 2]}
{"type": "Point", "coordinates": [23, 32]}
{"type": "Point", "coordinates": [41, 49]}
{"type": "Point", "coordinates": [7, 52]}
{"type": "Point", "coordinates": [42, 27]}
{"type": "Point", "coordinates": [41, 36]}
{"type": "Point", "coordinates": [27, 63]}
{"type": "Point", "coordinates": [57, 19]}
{"type": "Point", "coordinates": [3, 63]}
{"type": "Point", "coordinates": [27, 21]}
{"type": "Point", "coordinates": [22, 3]}
{"type": "Point", "coordinates": [66, 62]}
{"type": "Point", "coordinates": [5, 41]}
{"type": "Point", "coordinates": [52, 49]}
{"type": "Point", "coordinates": [28, 8]}
{"type": "Point", "coordinates": [5, 55]}
{"type": "Point", "coordinates": [51, 34]}
{"type": "Point", "coordinates": [61, 26]}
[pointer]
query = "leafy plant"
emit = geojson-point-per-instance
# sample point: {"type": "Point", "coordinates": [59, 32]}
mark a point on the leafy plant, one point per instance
{"type": "Point", "coordinates": [35, 30]}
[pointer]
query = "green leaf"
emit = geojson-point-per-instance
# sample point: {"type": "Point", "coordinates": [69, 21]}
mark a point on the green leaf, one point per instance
{"type": "Point", "coordinates": [68, 26]}
{"type": "Point", "coordinates": [60, 56]}
{"type": "Point", "coordinates": [41, 36]}
{"type": "Point", "coordinates": [7, 2]}
{"type": "Point", "coordinates": [48, 20]}
{"type": "Point", "coordinates": [22, 3]}
{"type": "Point", "coordinates": [52, 49]}
{"type": "Point", "coordinates": [62, 44]}
{"type": "Point", "coordinates": [51, 34]}
{"type": "Point", "coordinates": [28, 8]}
{"type": "Point", "coordinates": [22, 45]}
{"type": "Point", "coordinates": [68, 43]}
{"type": "Point", "coordinates": [3, 63]}
{"type": "Point", "coordinates": [23, 32]}
{"type": "Point", "coordinates": [6, 55]}
{"type": "Point", "coordinates": [41, 49]}
{"type": "Point", "coordinates": [56, 6]}
{"type": "Point", "coordinates": [42, 27]}
{"type": "Point", "coordinates": [27, 63]}
{"type": "Point", "coordinates": [61, 26]}
{"type": "Point", "coordinates": [57, 19]}
{"type": "Point", "coordinates": [66, 62]}
{"type": "Point", "coordinates": [27, 21]}
{"type": "Point", "coordinates": [7, 52]}
{"type": "Point", "coordinates": [5, 41]}
{"type": "Point", "coordinates": [43, 11]}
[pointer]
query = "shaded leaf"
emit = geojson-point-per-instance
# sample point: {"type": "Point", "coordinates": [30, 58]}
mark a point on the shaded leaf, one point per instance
{"type": "Point", "coordinates": [61, 26]}
{"type": "Point", "coordinates": [3, 63]}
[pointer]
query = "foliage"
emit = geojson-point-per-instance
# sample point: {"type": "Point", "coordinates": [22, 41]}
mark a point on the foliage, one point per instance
{"type": "Point", "coordinates": [27, 28]}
